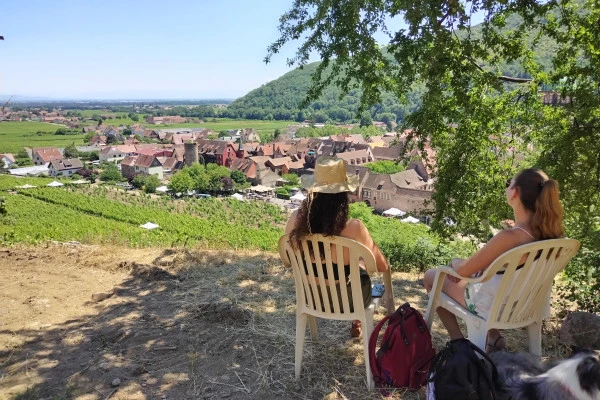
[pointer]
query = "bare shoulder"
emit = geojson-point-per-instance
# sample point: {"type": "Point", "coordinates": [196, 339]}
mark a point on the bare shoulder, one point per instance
{"type": "Point", "coordinates": [505, 240]}
{"type": "Point", "coordinates": [355, 229]}
{"type": "Point", "coordinates": [355, 225]}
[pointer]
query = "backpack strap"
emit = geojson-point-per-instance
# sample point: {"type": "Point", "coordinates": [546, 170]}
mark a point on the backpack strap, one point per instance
{"type": "Point", "coordinates": [373, 343]}
{"type": "Point", "coordinates": [493, 381]}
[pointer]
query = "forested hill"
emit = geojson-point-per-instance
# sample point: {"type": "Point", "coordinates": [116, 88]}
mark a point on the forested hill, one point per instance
{"type": "Point", "coordinates": [280, 99]}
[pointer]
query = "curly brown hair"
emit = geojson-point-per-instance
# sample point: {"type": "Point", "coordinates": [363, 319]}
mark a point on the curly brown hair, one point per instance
{"type": "Point", "coordinates": [324, 213]}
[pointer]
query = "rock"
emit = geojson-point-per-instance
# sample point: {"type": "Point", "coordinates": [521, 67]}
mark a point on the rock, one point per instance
{"type": "Point", "coordinates": [98, 297]}
{"type": "Point", "coordinates": [104, 366]}
{"type": "Point", "coordinates": [581, 329]}
{"type": "Point", "coordinates": [115, 382]}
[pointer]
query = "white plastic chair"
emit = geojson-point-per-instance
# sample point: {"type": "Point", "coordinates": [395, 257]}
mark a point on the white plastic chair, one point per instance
{"type": "Point", "coordinates": [335, 304]}
{"type": "Point", "coordinates": [523, 296]}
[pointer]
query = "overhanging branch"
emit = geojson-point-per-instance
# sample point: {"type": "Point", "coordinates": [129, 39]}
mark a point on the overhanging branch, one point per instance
{"type": "Point", "coordinates": [502, 77]}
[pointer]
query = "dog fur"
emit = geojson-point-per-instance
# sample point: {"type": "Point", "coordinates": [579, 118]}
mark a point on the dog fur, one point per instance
{"type": "Point", "coordinates": [525, 378]}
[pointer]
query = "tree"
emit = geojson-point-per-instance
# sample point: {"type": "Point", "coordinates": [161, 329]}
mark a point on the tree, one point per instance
{"type": "Point", "coordinates": [139, 181]}
{"type": "Point", "coordinates": [3, 210]}
{"type": "Point", "coordinates": [292, 179]}
{"type": "Point", "coordinates": [478, 117]}
{"type": "Point", "coordinates": [181, 182]}
{"type": "Point", "coordinates": [238, 176]}
{"type": "Point", "coordinates": [469, 107]}
{"type": "Point", "coordinates": [152, 182]}
{"type": "Point", "coordinates": [71, 151]}
{"type": "Point", "coordinates": [134, 117]}
{"type": "Point", "coordinates": [385, 167]}
{"type": "Point", "coordinates": [110, 173]}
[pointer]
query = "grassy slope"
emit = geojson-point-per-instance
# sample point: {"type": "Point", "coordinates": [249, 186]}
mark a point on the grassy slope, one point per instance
{"type": "Point", "coordinates": [15, 135]}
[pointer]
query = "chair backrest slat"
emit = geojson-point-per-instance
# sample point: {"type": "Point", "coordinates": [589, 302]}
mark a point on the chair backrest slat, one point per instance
{"type": "Point", "coordinates": [313, 261]}
{"type": "Point", "coordinates": [522, 291]}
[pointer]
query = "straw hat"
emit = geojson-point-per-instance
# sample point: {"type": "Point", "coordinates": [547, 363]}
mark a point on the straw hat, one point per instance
{"type": "Point", "coordinates": [330, 177]}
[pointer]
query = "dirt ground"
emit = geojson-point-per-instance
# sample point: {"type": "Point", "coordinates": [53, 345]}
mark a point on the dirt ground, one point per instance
{"type": "Point", "coordinates": [92, 322]}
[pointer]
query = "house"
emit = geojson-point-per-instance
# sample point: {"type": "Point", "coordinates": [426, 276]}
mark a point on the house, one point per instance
{"type": "Point", "coordinates": [142, 164]}
{"type": "Point", "coordinates": [217, 151]}
{"type": "Point", "coordinates": [387, 153]}
{"type": "Point", "coordinates": [54, 119]}
{"type": "Point", "coordinates": [43, 155]}
{"type": "Point", "coordinates": [265, 150]}
{"type": "Point", "coordinates": [250, 135]}
{"type": "Point", "coordinates": [7, 160]}
{"type": "Point", "coordinates": [98, 140]}
{"type": "Point", "coordinates": [376, 141]}
{"type": "Point", "coordinates": [150, 133]}
{"type": "Point", "coordinates": [279, 165]}
{"type": "Point", "coordinates": [356, 157]}
{"type": "Point", "coordinates": [247, 166]}
{"type": "Point", "coordinates": [170, 164]}
{"type": "Point", "coordinates": [406, 190]}
{"type": "Point", "coordinates": [166, 120]}
{"type": "Point", "coordinates": [65, 166]}
{"type": "Point", "coordinates": [131, 141]}
{"type": "Point", "coordinates": [117, 153]}
{"type": "Point", "coordinates": [137, 129]}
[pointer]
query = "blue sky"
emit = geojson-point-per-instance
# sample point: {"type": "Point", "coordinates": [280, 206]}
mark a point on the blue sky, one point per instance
{"type": "Point", "coordinates": [135, 49]}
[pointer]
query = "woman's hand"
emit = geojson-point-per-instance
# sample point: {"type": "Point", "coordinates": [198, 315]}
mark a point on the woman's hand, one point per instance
{"type": "Point", "coordinates": [454, 264]}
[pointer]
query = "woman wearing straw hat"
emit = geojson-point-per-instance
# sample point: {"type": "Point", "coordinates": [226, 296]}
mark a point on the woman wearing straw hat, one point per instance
{"type": "Point", "coordinates": [325, 211]}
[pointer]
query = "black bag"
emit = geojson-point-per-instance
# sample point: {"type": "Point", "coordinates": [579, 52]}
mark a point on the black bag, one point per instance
{"type": "Point", "coordinates": [457, 372]}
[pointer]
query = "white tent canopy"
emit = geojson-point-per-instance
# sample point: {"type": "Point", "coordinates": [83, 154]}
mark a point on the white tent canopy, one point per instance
{"type": "Point", "coordinates": [55, 184]}
{"type": "Point", "coordinates": [162, 189]}
{"type": "Point", "coordinates": [26, 186]}
{"type": "Point", "coordinates": [149, 226]}
{"type": "Point", "coordinates": [298, 197]}
{"type": "Point", "coordinates": [261, 188]}
{"type": "Point", "coordinates": [393, 212]}
{"type": "Point", "coordinates": [411, 220]}
{"type": "Point", "coordinates": [237, 196]}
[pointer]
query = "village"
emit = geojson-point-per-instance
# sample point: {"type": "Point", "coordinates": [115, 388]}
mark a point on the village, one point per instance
{"type": "Point", "coordinates": [143, 150]}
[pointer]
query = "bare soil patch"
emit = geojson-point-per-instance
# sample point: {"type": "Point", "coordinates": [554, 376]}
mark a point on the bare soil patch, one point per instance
{"type": "Point", "coordinates": [92, 322]}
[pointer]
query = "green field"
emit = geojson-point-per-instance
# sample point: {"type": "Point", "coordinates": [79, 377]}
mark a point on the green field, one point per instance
{"type": "Point", "coordinates": [16, 135]}
{"type": "Point", "coordinates": [104, 214]}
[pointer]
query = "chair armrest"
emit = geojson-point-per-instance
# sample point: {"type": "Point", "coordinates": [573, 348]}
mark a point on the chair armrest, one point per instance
{"type": "Point", "coordinates": [388, 295]}
{"type": "Point", "coordinates": [446, 270]}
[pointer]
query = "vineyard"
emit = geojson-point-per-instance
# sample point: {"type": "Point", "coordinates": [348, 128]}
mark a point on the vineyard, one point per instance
{"type": "Point", "coordinates": [109, 215]}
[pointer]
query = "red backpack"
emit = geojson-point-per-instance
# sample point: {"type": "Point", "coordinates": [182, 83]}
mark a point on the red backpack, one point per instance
{"type": "Point", "coordinates": [406, 352]}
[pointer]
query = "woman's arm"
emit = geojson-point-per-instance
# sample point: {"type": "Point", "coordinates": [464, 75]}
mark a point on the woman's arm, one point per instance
{"type": "Point", "coordinates": [291, 222]}
{"type": "Point", "coordinates": [356, 230]}
{"type": "Point", "coordinates": [499, 244]}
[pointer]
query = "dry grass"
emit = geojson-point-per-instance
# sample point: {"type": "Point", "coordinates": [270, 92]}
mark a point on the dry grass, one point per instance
{"type": "Point", "coordinates": [207, 324]}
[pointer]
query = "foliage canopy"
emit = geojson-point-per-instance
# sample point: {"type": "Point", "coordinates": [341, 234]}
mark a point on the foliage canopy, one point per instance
{"type": "Point", "coordinates": [483, 124]}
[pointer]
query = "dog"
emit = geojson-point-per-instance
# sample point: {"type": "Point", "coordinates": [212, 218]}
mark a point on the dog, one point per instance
{"type": "Point", "coordinates": [524, 377]}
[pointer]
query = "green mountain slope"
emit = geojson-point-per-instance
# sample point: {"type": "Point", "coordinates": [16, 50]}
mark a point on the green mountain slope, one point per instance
{"type": "Point", "coordinates": [280, 99]}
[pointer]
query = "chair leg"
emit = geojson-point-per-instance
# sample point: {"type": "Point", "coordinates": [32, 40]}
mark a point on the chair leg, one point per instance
{"type": "Point", "coordinates": [534, 332]}
{"type": "Point", "coordinates": [312, 323]}
{"type": "Point", "coordinates": [477, 334]}
{"type": "Point", "coordinates": [300, 333]}
{"type": "Point", "coordinates": [368, 329]}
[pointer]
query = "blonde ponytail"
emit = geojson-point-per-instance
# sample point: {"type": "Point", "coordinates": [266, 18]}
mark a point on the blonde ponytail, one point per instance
{"type": "Point", "coordinates": [539, 194]}
{"type": "Point", "coordinates": [546, 221]}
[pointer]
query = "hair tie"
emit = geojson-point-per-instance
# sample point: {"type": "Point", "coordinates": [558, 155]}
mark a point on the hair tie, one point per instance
{"type": "Point", "coordinates": [542, 183]}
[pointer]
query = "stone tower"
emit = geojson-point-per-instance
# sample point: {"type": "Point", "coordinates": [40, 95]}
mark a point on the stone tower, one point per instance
{"type": "Point", "coordinates": [190, 154]}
